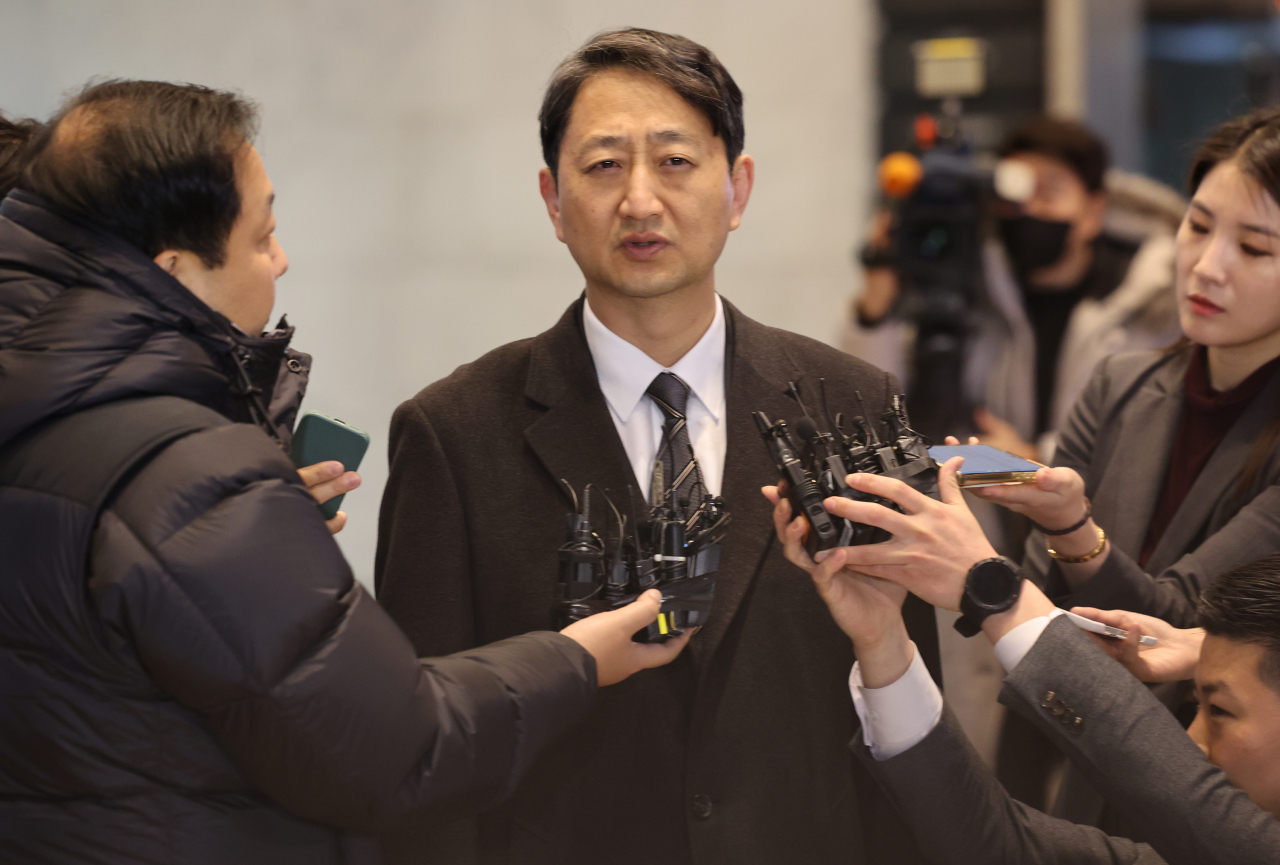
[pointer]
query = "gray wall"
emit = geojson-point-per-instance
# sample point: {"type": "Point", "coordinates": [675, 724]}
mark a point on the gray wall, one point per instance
{"type": "Point", "coordinates": [402, 140]}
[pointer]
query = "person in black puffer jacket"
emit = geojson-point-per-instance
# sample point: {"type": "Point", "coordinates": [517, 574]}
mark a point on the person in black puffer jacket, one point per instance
{"type": "Point", "coordinates": [188, 671]}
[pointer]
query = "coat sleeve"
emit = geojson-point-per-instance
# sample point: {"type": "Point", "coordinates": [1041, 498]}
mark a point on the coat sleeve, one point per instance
{"type": "Point", "coordinates": [225, 581]}
{"type": "Point", "coordinates": [423, 567]}
{"type": "Point", "coordinates": [1136, 754]}
{"type": "Point", "coordinates": [959, 813]}
{"type": "Point", "coordinates": [1120, 584]}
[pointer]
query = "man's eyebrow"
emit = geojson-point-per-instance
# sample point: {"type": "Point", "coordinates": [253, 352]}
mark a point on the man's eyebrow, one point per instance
{"type": "Point", "coordinates": [1198, 206]}
{"type": "Point", "coordinates": [672, 136]}
{"type": "Point", "coordinates": [1211, 688]}
{"type": "Point", "coordinates": [598, 142]}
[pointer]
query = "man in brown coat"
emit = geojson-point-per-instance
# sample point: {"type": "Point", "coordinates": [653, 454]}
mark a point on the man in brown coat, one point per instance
{"type": "Point", "coordinates": [736, 752]}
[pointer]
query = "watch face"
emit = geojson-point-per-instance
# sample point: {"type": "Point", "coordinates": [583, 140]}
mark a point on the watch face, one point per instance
{"type": "Point", "coordinates": [993, 585]}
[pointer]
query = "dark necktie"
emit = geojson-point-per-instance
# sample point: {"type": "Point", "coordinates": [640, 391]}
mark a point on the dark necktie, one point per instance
{"type": "Point", "coordinates": [679, 469]}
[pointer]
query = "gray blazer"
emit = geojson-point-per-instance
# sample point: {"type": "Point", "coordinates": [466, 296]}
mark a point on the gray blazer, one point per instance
{"type": "Point", "coordinates": [1118, 437]}
{"type": "Point", "coordinates": [1118, 735]}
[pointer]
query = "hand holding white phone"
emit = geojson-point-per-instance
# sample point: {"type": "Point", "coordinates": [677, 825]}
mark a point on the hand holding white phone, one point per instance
{"type": "Point", "coordinates": [1107, 630]}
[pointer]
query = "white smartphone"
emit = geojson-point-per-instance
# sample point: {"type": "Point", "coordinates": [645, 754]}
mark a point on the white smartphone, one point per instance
{"type": "Point", "coordinates": [1107, 630]}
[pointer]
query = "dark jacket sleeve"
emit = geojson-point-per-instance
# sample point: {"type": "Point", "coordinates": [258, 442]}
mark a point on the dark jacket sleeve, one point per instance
{"type": "Point", "coordinates": [223, 578]}
{"type": "Point", "coordinates": [959, 813]}
{"type": "Point", "coordinates": [1120, 583]}
{"type": "Point", "coordinates": [422, 571]}
{"type": "Point", "coordinates": [1136, 755]}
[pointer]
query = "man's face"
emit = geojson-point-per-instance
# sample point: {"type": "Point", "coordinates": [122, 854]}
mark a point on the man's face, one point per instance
{"type": "Point", "coordinates": [1061, 196]}
{"type": "Point", "coordinates": [644, 197]}
{"type": "Point", "coordinates": [1238, 724]}
{"type": "Point", "coordinates": [244, 287]}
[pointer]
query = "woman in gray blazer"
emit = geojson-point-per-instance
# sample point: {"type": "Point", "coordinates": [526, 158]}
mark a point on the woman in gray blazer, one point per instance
{"type": "Point", "coordinates": [1177, 453]}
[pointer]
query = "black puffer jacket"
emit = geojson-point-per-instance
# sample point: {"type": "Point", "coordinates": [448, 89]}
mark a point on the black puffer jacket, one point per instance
{"type": "Point", "coordinates": [211, 685]}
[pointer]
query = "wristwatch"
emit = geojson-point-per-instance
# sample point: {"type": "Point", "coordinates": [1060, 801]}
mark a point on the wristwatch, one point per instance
{"type": "Point", "coordinates": [993, 585]}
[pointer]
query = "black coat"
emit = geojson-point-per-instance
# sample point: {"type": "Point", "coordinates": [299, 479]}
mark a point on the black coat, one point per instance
{"type": "Point", "coordinates": [211, 685]}
{"type": "Point", "coordinates": [736, 752]}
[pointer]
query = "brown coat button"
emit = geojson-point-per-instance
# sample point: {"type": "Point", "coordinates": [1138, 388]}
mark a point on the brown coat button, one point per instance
{"type": "Point", "coordinates": [702, 806]}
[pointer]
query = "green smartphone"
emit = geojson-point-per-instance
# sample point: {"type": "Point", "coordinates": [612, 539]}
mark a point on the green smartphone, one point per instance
{"type": "Point", "coordinates": [320, 438]}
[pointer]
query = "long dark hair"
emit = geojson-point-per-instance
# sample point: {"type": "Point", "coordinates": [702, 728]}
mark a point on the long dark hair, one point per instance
{"type": "Point", "coordinates": [1252, 141]}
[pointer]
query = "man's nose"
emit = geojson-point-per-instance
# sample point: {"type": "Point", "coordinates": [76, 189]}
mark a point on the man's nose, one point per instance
{"type": "Point", "coordinates": [279, 260]}
{"type": "Point", "coordinates": [1197, 732]}
{"type": "Point", "coordinates": [642, 200]}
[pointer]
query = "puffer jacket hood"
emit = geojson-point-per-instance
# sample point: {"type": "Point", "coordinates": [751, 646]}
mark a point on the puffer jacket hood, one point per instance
{"type": "Point", "coordinates": [86, 318]}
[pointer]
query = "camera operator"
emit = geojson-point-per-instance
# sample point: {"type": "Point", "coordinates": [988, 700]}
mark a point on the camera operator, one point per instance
{"type": "Point", "coordinates": [188, 671]}
{"type": "Point", "coordinates": [1071, 279]}
{"type": "Point", "coordinates": [1112, 727]}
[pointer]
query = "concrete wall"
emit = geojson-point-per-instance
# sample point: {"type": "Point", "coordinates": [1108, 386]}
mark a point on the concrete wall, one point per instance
{"type": "Point", "coordinates": [402, 140]}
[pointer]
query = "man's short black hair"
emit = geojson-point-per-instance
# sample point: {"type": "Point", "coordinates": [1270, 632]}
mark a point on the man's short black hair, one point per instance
{"type": "Point", "coordinates": [1071, 142]}
{"type": "Point", "coordinates": [682, 64]}
{"type": "Point", "coordinates": [149, 161]}
{"type": "Point", "coordinates": [16, 144]}
{"type": "Point", "coordinates": [1244, 605]}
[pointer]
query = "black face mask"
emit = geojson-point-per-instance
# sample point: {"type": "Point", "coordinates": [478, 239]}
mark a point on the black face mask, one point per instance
{"type": "Point", "coordinates": [1033, 243]}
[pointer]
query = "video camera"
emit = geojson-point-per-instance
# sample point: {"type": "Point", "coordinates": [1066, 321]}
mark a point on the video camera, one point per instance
{"type": "Point", "coordinates": [940, 198]}
{"type": "Point", "coordinates": [812, 472]}
{"type": "Point", "coordinates": [675, 550]}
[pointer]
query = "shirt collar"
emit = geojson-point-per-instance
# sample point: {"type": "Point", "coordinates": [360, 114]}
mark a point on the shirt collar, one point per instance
{"type": "Point", "coordinates": [625, 372]}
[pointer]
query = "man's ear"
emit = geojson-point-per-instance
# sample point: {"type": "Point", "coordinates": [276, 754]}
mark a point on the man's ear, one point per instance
{"type": "Point", "coordinates": [168, 261]}
{"type": "Point", "coordinates": [551, 197]}
{"type": "Point", "coordinates": [742, 178]}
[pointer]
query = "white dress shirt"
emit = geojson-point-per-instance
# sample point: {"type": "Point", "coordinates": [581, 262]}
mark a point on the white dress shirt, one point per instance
{"type": "Point", "coordinates": [625, 373]}
{"type": "Point", "coordinates": [901, 714]}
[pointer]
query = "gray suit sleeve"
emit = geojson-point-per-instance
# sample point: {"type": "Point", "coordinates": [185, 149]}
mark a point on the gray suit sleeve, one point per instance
{"type": "Point", "coordinates": [1134, 753]}
{"type": "Point", "coordinates": [960, 815]}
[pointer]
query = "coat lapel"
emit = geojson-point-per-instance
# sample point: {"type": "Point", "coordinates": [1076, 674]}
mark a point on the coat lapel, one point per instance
{"type": "Point", "coordinates": [1145, 439]}
{"type": "Point", "coordinates": [1213, 486]}
{"type": "Point", "coordinates": [574, 439]}
{"type": "Point", "coordinates": [753, 384]}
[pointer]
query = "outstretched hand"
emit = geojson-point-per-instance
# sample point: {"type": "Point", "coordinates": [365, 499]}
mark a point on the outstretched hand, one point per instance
{"type": "Point", "coordinates": [934, 543]}
{"type": "Point", "coordinates": [1173, 659]}
{"type": "Point", "coordinates": [1055, 499]}
{"type": "Point", "coordinates": [866, 608]}
{"type": "Point", "coordinates": [326, 480]}
{"type": "Point", "coordinates": [607, 636]}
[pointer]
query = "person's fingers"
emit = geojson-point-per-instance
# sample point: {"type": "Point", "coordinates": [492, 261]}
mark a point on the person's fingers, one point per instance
{"type": "Point", "coordinates": [650, 655]}
{"type": "Point", "coordinates": [320, 472]}
{"type": "Point", "coordinates": [949, 481]}
{"type": "Point", "coordinates": [337, 523]}
{"type": "Point", "coordinates": [951, 440]}
{"type": "Point", "coordinates": [974, 440]}
{"type": "Point", "coordinates": [771, 493]}
{"type": "Point", "coordinates": [640, 612]}
{"type": "Point", "coordinates": [825, 572]}
{"type": "Point", "coordinates": [343, 483]}
{"type": "Point", "coordinates": [781, 516]}
{"type": "Point", "coordinates": [868, 513]}
{"type": "Point", "coordinates": [910, 500]}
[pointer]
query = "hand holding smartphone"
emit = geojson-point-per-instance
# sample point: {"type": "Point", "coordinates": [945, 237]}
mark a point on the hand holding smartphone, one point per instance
{"type": "Point", "coordinates": [986, 466]}
{"type": "Point", "coordinates": [1107, 630]}
{"type": "Point", "coordinates": [320, 438]}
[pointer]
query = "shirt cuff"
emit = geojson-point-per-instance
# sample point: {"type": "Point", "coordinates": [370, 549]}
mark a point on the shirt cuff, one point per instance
{"type": "Point", "coordinates": [1013, 646]}
{"type": "Point", "coordinates": [899, 715]}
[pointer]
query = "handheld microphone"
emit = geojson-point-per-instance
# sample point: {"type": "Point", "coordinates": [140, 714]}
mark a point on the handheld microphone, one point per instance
{"type": "Point", "coordinates": [795, 483]}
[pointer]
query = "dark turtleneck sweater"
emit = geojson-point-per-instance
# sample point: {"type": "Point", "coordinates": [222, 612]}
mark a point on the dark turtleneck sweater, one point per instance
{"type": "Point", "coordinates": [1207, 416]}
